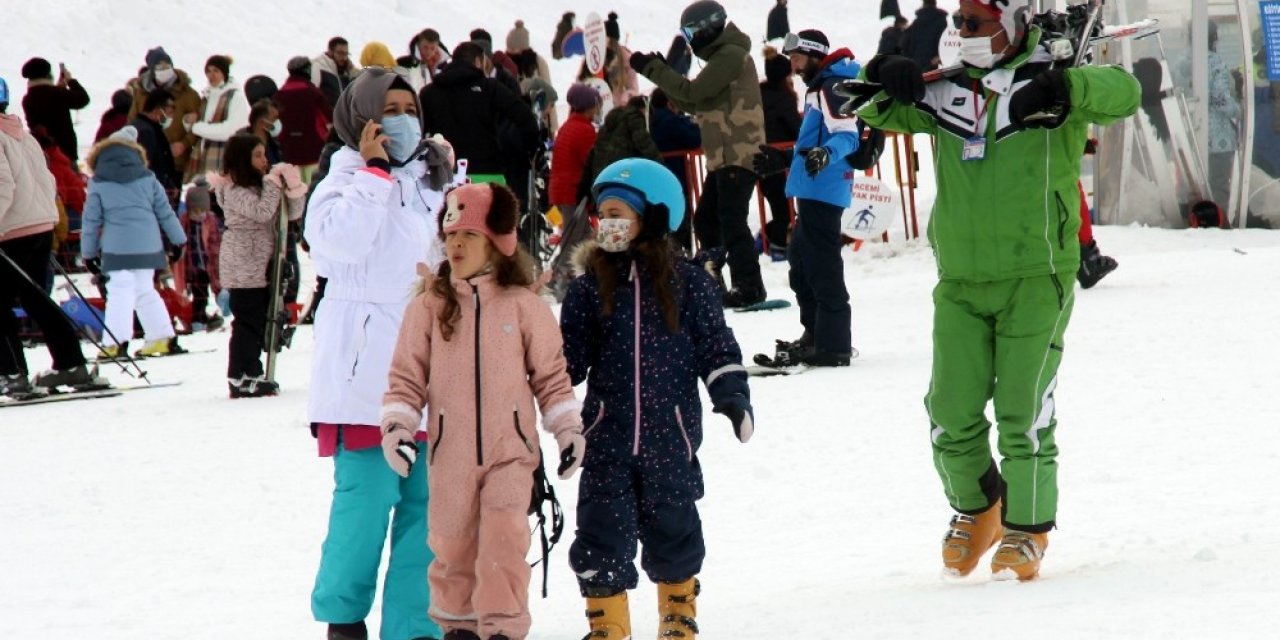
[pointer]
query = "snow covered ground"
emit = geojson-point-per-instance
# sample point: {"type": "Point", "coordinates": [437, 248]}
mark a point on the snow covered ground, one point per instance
{"type": "Point", "coordinates": [179, 513]}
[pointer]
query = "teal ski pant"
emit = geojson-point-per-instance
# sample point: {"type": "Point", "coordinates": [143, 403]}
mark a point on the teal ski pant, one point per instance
{"type": "Point", "coordinates": [999, 341]}
{"type": "Point", "coordinates": [366, 493]}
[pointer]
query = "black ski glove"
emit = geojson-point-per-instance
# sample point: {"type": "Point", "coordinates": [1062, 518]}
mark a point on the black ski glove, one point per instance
{"type": "Point", "coordinates": [901, 77]}
{"type": "Point", "coordinates": [769, 161]}
{"type": "Point", "coordinates": [641, 60]}
{"type": "Point", "coordinates": [175, 252]}
{"type": "Point", "coordinates": [738, 409]}
{"type": "Point", "coordinates": [1043, 102]}
{"type": "Point", "coordinates": [815, 160]}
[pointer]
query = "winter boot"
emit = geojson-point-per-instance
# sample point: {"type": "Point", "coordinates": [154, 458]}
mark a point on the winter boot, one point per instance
{"type": "Point", "coordinates": [1093, 265]}
{"type": "Point", "coordinates": [251, 387]}
{"type": "Point", "coordinates": [969, 539]}
{"type": "Point", "coordinates": [348, 631]}
{"type": "Point", "coordinates": [740, 297]}
{"type": "Point", "coordinates": [154, 348]}
{"type": "Point", "coordinates": [461, 634]}
{"type": "Point", "coordinates": [113, 352]}
{"type": "Point", "coordinates": [610, 618]}
{"type": "Point", "coordinates": [818, 358]}
{"type": "Point", "coordinates": [678, 609]}
{"type": "Point", "coordinates": [16, 386]}
{"type": "Point", "coordinates": [80, 378]}
{"type": "Point", "coordinates": [1019, 555]}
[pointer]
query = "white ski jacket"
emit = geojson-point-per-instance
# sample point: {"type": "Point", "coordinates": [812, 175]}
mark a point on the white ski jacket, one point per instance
{"type": "Point", "coordinates": [368, 233]}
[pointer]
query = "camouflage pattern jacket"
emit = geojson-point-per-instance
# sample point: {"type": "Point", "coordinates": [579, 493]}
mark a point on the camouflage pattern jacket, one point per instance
{"type": "Point", "coordinates": [725, 98]}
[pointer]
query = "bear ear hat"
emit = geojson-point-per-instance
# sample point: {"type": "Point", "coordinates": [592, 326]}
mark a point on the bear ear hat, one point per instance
{"type": "Point", "coordinates": [503, 212]}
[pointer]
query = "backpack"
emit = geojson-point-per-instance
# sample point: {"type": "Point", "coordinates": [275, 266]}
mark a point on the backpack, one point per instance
{"type": "Point", "coordinates": [870, 146]}
{"type": "Point", "coordinates": [544, 494]}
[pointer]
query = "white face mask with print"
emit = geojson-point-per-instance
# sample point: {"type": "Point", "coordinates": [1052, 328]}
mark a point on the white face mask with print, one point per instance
{"type": "Point", "coordinates": [977, 52]}
{"type": "Point", "coordinates": [614, 234]}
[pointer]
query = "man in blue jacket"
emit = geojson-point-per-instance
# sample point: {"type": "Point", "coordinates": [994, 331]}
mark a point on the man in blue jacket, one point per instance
{"type": "Point", "coordinates": [821, 181]}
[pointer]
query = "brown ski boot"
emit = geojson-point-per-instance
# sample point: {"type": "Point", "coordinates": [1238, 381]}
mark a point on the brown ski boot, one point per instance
{"type": "Point", "coordinates": [968, 540]}
{"type": "Point", "coordinates": [678, 609]}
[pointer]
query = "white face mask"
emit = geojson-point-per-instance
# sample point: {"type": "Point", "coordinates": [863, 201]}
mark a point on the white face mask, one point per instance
{"type": "Point", "coordinates": [275, 129]}
{"type": "Point", "coordinates": [166, 123]}
{"type": "Point", "coordinates": [614, 234]}
{"type": "Point", "coordinates": [977, 52]}
{"type": "Point", "coordinates": [165, 76]}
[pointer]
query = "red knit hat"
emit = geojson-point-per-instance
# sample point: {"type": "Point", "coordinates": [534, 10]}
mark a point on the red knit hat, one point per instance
{"type": "Point", "coordinates": [1014, 15]}
{"type": "Point", "coordinates": [490, 209]}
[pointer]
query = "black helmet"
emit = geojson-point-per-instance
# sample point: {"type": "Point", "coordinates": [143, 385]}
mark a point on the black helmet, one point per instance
{"type": "Point", "coordinates": [702, 22]}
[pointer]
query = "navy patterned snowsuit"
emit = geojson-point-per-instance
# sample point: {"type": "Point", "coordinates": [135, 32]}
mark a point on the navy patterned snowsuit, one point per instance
{"type": "Point", "coordinates": [641, 475]}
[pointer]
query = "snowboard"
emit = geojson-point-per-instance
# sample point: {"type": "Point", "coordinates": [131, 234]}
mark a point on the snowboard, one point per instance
{"type": "Point", "coordinates": [67, 396]}
{"type": "Point", "coordinates": [766, 367]}
{"type": "Point", "coordinates": [767, 305]}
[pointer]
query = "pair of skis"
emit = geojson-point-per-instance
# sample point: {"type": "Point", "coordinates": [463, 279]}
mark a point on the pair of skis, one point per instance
{"type": "Point", "coordinates": [86, 394]}
{"type": "Point", "coordinates": [280, 325]}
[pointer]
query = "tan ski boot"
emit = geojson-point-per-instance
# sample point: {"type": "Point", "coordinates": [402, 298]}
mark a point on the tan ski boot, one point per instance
{"type": "Point", "coordinates": [678, 609]}
{"type": "Point", "coordinates": [968, 540]}
{"type": "Point", "coordinates": [609, 617]}
{"type": "Point", "coordinates": [1019, 555]}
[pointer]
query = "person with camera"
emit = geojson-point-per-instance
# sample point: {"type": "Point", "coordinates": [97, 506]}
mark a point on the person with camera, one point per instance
{"type": "Point", "coordinates": [49, 104]}
{"type": "Point", "coordinates": [821, 181]}
{"type": "Point", "coordinates": [1009, 131]}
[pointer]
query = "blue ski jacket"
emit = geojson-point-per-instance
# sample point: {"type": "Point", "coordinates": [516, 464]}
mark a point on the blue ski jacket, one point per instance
{"type": "Point", "coordinates": [822, 127]}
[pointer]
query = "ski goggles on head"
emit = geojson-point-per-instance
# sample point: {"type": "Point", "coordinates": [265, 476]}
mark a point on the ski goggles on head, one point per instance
{"type": "Point", "coordinates": [691, 29]}
{"type": "Point", "coordinates": [793, 43]}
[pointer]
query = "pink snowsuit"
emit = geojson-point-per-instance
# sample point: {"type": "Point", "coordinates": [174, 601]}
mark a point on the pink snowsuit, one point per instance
{"type": "Point", "coordinates": [483, 446]}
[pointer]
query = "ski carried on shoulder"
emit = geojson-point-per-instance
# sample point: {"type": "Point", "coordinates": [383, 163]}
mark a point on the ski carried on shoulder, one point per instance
{"type": "Point", "coordinates": [86, 394]}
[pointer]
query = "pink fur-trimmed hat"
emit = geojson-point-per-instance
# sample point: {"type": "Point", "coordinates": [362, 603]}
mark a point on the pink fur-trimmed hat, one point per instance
{"type": "Point", "coordinates": [490, 209]}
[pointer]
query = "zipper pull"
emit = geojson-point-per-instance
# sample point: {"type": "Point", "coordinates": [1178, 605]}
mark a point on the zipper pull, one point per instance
{"type": "Point", "coordinates": [634, 273]}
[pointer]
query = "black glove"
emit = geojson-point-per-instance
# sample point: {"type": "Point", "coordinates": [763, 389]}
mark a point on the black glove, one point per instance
{"type": "Point", "coordinates": [815, 160]}
{"type": "Point", "coordinates": [641, 60]}
{"type": "Point", "coordinates": [1043, 102]}
{"type": "Point", "coordinates": [93, 265]}
{"type": "Point", "coordinates": [769, 161]}
{"type": "Point", "coordinates": [901, 77]}
{"type": "Point", "coordinates": [175, 252]}
{"type": "Point", "coordinates": [738, 409]}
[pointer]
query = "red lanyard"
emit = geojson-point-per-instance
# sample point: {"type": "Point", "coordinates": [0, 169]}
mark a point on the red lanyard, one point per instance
{"type": "Point", "coordinates": [977, 115]}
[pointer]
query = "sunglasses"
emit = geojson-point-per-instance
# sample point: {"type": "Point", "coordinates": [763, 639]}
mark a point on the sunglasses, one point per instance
{"type": "Point", "coordinates": [970, 23]}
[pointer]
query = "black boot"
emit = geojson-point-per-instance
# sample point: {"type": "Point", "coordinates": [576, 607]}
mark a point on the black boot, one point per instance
{"type": "Point", "coordinates": [348, 631]}
{"type": "Point", "coordinates": [816, 358]}
{"type": "Point", "coordinates": [1093, 265]}
{"type": "Point", "coordinates": [740, 297]}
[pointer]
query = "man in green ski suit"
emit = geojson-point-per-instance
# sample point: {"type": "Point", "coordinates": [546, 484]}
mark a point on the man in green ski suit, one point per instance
{"type": "Point", "coordinates": [1009, 132]}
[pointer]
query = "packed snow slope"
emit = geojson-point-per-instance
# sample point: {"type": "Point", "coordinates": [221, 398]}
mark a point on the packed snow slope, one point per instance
{"type": "Point", "coordinates": [177, 512]}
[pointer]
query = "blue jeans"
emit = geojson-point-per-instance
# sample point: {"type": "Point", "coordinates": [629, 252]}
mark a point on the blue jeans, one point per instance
{"type": "Point", "coordinates": [366, 493]}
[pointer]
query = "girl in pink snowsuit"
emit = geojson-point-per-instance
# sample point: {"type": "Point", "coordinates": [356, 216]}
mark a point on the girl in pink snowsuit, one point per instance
{"type": "Point", "coordinates": [495, 348]}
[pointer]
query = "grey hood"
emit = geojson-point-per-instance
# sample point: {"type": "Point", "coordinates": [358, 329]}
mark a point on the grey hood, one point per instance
{"type": "Point", "coordinates": [362, 101]}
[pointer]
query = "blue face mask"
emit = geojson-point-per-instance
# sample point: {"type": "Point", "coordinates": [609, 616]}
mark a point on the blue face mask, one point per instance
{"type": "Point", "coordinates": [404, 133]}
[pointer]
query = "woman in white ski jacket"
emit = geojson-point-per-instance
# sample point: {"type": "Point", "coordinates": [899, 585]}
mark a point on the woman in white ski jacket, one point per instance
{"type": "Point", "coordinates": [370, 223]}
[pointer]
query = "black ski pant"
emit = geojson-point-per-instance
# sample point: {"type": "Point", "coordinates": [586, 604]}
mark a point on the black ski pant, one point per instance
{"type": "Point", "coordinates": [248, 331]}
{"type": "Point", "coordinates": [621, 503]}
{"type": "Point", "coordinates": [774, 188]}
{"type": "Point", "coordinates": [21, 277]}
{"type": "Point", "coordinates": [198, 284]}
{"type": "Point", "coordinates": [721, 221]}
{"type": "Point", "coordinates": [817, 275]}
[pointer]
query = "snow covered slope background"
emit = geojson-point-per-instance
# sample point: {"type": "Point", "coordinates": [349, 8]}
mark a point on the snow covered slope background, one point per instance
{"type": "Point", "coordinates": [177, 513]}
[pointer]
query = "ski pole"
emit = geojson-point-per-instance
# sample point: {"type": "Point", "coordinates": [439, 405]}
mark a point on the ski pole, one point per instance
{"type": "Point", "coordinates": [142, 375]}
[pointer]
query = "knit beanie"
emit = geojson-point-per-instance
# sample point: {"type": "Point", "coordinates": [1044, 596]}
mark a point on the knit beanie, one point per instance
{"type": "Point", "coordinates": [518, 38]}
{"type": "Point", "coordinates": [582, 97]}
{"type": "Point", "coordinates": [486, 208]}
{"type": "Point", "coordinates": [198, 196]}
{"type": "Point", "coordinates": [37, 69]}
{"type": "Point", "coordinates": [221, 63]}
{"type": "Point", "coordinates": [156, 56]}
{"type": "Point", "coordinates": [1014, 15]}
{"type": "Point", "coordinates": [611, 29]}
{"type": "Point", "coordinates": [376, 54]}
{"type": "Point", "coordinates": [127, 134]}
{"type": "Point", "coordinates": [777, 69]}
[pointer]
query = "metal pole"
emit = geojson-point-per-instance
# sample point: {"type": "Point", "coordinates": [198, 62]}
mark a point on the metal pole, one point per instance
{"type": "Point", "coordinates": [124, 346]}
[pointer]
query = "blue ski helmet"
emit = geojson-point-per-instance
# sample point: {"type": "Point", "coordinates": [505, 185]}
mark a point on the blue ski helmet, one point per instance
{"type": "Point", "coordinates": [4, 91]}
{"type": "Point", "coordinates": [652, 181]}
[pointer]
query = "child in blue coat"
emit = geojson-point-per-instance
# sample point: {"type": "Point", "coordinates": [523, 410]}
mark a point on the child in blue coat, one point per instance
{"type": "Point", "coordinates": [642, 327]}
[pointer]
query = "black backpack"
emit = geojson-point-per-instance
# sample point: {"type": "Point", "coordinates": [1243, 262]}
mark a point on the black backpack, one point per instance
{"type": "Point", "coordinates": [870, 146]}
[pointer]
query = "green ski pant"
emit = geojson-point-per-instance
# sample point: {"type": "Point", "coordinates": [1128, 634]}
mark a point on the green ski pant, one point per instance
{"type": "Point", "coordinates": [999, 341]}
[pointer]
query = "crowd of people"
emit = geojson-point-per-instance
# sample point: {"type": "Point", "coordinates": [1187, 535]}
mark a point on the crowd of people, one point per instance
{"type": "Point", "coordinates": [422, 269]}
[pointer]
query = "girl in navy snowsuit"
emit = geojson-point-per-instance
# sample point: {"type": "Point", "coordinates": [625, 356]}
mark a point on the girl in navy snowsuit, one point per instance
{"type": "Point", "coordinates": [642, 327]}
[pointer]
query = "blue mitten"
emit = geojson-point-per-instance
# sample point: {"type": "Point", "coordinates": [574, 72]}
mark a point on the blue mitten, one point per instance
{"type": "Point", "coordinates": [732, 398]}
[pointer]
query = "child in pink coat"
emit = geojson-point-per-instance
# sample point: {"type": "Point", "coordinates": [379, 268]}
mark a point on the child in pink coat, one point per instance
{"type": "Point", "coordinates": [477, 322]}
